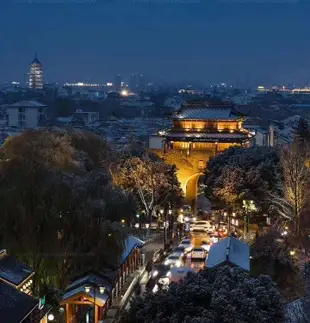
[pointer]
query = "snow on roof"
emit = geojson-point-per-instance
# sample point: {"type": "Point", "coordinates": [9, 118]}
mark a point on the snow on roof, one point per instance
{"type": "Point", "coordinates": [16, 305]}
{"type": "Point", "coordinates": [130, 244]}
{"type": "Point", "coordinates": [14, 271]}
{"type": "Point", "coordinates": [91, 279]}
{"type": "Point", "coordinates": [99, 298]}
{"type": "Point", "coordinates": [229, 250]}
{"type": "Point", "coordinates": [27, 104]}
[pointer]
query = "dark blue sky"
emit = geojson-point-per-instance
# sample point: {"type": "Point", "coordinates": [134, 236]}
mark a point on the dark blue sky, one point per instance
{"type": "Point", "coordinates": [209, 41]}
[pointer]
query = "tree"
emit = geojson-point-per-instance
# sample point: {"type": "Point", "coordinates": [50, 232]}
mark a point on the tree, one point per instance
{"type": "Point", "coordinates": [302, 131]}
{"type": "Point", "coordinates": [271, 256]}
{"type": "Point", "coordinates": [244, 173]}
{"type": "Point", "coordinates": [152, 182]}
{"type": "Point", "coordinates": [294, 159]}
{"type": "Point", "coordinates": [219, 295]}
{"type": "Point", "coordinates": [58, 203]}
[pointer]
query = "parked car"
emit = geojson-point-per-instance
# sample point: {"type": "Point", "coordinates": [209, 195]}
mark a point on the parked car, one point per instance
{"type": "Point", "coordinates": [202, 226]}
{"type": "Point", "coordinates": [198, 253]}
{"type": "Point", "coordinates": [205, 245]}
{"type": "Point", "coordinates": [173, 261]}
{"type": "Point", "coordinates": [186, 243]}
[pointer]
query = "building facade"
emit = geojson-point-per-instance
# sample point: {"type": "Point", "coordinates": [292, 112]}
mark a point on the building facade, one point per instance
{"type": "Point", "coordinates": [200, 131]}
{"type": "Point", "coordinates": [36, 75]}
{"type": "Point", "coordinates": [26, 114]}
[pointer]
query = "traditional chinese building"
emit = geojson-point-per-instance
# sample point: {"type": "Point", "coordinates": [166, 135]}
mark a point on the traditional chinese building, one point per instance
{"type": "Point", "coordinates": [200, 130]}
{"type": "Point", "coordinates": [36, 75]}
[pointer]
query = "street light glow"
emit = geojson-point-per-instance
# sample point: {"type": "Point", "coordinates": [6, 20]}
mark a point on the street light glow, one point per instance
{"type": "Point", "coordinates": [124, 93]}
{"type": "Point", "coordinates": [50, 317]}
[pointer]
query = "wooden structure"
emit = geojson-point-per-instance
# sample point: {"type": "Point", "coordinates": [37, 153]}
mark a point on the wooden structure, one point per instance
{"type": "Point", "coordinates": [93, 292]}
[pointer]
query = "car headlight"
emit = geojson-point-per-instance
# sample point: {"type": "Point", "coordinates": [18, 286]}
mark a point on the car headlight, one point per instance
{"type": "Point", "coordinates": [155, 273]}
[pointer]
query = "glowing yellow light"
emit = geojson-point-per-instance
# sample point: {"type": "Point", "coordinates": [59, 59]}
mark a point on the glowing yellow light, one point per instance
{"type": "Point", "coordinates": [123, 221]}
{"type": "Point", "coordinates": [124, 93]}
{"type": "Point", "coordinates": [292, 252]}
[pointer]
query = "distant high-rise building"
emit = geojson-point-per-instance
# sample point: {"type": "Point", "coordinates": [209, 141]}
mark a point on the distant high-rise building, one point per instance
{"type": "Point", "coordinates": [36, 75]}
{"type": "Point", "coordinates": [133, 82]}
{"type": "Point", "coordinates": [118, 82]}
{"type": "Point", "coordinates": [136, 82]}
{"type": "Point", "coordinates": [141, 82]}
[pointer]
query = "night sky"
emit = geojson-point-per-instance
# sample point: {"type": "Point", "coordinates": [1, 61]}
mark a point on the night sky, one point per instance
{"type": "Point", "coordinates": [185, 40]}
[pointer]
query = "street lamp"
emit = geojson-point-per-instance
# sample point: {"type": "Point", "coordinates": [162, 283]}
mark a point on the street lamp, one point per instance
{"type": "Point", "coordinates": [101, 291]}
{"type": "Point", "coordinates": [50, 317]}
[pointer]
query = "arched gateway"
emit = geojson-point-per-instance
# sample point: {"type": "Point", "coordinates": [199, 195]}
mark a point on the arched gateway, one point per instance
{"type": "Point", "coordinates": [201, 129]}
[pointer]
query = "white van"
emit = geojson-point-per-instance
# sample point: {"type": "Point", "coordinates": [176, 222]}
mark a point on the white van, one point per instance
{"type": "Point", "coordinates": [204, 226]}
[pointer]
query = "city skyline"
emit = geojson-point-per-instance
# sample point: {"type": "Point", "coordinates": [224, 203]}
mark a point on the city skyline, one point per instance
{"type": "Point", "coordinates": [212, 43]}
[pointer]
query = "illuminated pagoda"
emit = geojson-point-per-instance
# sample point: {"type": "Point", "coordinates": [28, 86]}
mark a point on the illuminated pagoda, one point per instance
{"type": "Point", "coordinates": [200, 130]}
{"type": "Point", "coordinates": [36, 75]}
{"type": "Point", "coordinates": [204, 126]}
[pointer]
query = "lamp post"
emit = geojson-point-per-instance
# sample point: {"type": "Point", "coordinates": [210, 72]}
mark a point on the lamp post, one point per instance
{"type": "Point", "coordinates": [248, 206]}
{"type": "Point", "coordinates": [170, 223]}
{"type": "Point", "coordinates": [101, 291]}
{"type": "Point", "coordinates": [162, 211]}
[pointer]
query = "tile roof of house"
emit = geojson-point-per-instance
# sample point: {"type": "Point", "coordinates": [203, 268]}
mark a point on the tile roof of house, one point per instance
{"type": "Point", "coordinates": [27, 104]}
{"type": "Point", "coordinates": [15, 305]}
{"type": "Point", "coordinates": [206, 113]}
{"type": "Point", "coordinates": [130, 244]}
{"type": "Point", "coordinates": [229, 250]}
{"type": "Point", "coordinates": [12, 270]}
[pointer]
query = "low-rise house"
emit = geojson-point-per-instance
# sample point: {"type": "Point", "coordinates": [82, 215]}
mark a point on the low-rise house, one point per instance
{"type": "Point", "coordinates": [17, 303]}
{"type": "Point", "coordinates": [100, 289]}
{"type": "Point", "coordinates": [26, 114]}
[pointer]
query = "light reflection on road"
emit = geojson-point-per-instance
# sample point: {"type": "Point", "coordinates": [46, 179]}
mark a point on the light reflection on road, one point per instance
{"type": "Point", "coordinates": [196, 240]}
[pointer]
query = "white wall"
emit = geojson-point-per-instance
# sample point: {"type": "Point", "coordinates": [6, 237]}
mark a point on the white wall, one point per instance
{"type": "Point", "coordinates": [31, 118]}
{"type": "Point", "coordinates": [13, 117]}
{"type": "Point", "coordinates": [155, 142]}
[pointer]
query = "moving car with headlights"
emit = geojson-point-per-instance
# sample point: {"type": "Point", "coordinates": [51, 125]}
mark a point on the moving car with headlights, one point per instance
{"type": "Point", "coordinates": [178, 251]}
{"type": "Point", "coordinates": [214, 237]}
{"type": "Point", "coordinates": [186, 243]}
{"type": "Point", "coordinates": [173, 261]}
{"type": "Point", "coordinates": [198, 253]}
{"type": "Point", "coordinates": [204, 226]}
{"type": "Point", "coordinates": [206, 245]}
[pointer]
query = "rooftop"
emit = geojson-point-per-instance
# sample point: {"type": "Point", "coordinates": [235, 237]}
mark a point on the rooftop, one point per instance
{"type": "Point", "coordinates": [204, 111]}
{"type": "Point", "coordinates": [12, 270]}
{"type": "Point", "coordinates": [27, 104]}
{"type": "Point", "coordinates": [230, 250]}
{"type": "Point", "coordinates": [15, 305]}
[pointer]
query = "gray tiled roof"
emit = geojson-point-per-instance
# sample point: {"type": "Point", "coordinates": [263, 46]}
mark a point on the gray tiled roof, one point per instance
{"type": "Point", "coordinates": [15, 305]}
{"type": "Point", "coordinates": [13, 270]}
{"type": "Point", "coordinates": [27, 104]}
{"type": "Point", "coordinates": [207, 135]}
{"type": "Point", "coordinates": [206, 113]}
{"type": "Point", "coordinates": [229, 250]}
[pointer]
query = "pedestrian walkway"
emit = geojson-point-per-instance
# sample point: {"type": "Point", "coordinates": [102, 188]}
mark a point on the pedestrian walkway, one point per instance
{"type": "Point", "coordinates": [120, 302]}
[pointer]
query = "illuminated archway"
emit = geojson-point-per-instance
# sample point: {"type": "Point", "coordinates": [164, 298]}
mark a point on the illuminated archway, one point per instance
{"type": "Point", "coordinates": [191, 190]}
